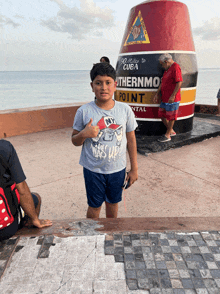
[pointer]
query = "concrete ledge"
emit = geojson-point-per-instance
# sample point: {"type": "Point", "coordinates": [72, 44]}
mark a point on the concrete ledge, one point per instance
{"type": "Point", "coordinates": [201, 131]}
{"type": "Point", "coordinates": [16, 122]}
{"type": "Point", "coordinates": [208, 109]}
{"type": "Point", "coordinates": [66, 228]}
{"type": "Point", "coordinates": [208, 116]}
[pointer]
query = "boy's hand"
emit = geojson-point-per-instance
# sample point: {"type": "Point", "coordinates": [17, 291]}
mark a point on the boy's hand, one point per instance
{"type": "Point", "coordinates": [132, 177]}
{"type": "Point", "coordinates": [91, 131]}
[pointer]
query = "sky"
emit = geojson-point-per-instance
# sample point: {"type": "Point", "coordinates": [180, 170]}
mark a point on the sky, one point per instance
{"type": "Point", "coordinates": [74, 34]}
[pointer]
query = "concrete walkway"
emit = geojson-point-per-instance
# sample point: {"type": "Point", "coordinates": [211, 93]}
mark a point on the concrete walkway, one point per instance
{"type": "Point", "coordinates": [182, 182]}
{"type": "Point", "coordinates": [166, 241]}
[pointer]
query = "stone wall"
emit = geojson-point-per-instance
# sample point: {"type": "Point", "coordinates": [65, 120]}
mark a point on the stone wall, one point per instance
{"type": "Point", "coordinates": [31, 120]}
{"type": "Point", "coordinates": [21, 121]}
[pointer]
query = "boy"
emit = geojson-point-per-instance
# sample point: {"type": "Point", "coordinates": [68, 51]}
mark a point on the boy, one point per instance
{"type": "Point", "coordinates": [105, 127]}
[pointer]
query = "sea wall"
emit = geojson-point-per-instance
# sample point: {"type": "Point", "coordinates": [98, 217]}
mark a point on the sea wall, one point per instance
{"type": "Point", "coordinates": [36, 119]}
{"type": "Point", "coordinates": [207, 109]}
{"type": "Point", "coordinates": [21, 121]}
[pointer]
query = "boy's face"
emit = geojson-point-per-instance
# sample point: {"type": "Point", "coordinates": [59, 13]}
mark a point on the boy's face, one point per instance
{"type": "Point", "coordinates": [104, 88]}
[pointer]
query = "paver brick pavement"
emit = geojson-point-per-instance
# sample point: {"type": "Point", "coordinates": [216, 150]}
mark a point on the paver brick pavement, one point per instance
{"type": "Point", "coordinates": [84, 264]}
{"type": "Point", "coordinates": [73, 265]}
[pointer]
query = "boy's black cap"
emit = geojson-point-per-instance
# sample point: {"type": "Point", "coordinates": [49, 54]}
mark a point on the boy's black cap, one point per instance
{"type": "Point", "coordinates": [102, 69]}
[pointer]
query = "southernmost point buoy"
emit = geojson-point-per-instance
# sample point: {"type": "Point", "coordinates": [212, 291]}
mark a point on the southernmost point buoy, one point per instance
{"type": "Point", "coordinates": [155, 27]}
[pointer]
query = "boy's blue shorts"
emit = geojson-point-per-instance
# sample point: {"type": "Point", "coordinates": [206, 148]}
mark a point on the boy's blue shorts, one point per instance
{"type": "Point", "coordinates": [103, 187]}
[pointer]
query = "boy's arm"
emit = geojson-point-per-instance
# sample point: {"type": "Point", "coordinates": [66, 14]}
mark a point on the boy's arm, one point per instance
{"type": "Point", "coordinates": [77, 138]}
{"type": "Point", "coordinates": [132, 152]}
{"type": "Point", "coordinates": [89, 131]}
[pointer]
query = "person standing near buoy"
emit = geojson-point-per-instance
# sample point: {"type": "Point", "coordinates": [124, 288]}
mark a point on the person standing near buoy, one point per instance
{"type": "Point", "coordinates": [168, 94]}
{"type": "Point", "coordinates": [218, 102]}
{"type": "Point", "coordinates": [104, 59]}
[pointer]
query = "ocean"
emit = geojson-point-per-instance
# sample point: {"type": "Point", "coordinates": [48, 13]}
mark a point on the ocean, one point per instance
{"type": "Point", "coordinates": [21, 89]}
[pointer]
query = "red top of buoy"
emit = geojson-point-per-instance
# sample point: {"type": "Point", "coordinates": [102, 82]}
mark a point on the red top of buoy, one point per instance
{"type": "Point", "coordinates": [158, 25]}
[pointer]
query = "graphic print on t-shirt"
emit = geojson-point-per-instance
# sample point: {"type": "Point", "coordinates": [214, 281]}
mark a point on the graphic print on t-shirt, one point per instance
{"type": "Point", "coordinates": [108, 142]}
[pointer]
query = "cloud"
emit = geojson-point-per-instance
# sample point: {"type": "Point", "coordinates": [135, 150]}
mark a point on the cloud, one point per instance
{"type": "Point", "coordinates": [11, 22]}
{"type": "Point", "coordinates": [19, 16]}
{"type": "Point", "coordinates": [210, 30]}
{"type": "Point", "coordinates": [89, 19]}
{"type": "Point", "coordinates": [7, 21]}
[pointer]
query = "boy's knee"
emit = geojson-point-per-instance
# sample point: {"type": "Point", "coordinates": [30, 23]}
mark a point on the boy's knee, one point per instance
{"type": "Point", "coordinates": [94, 208]}
{"type": "Point", "coordinates": [111, 204]}
{"type": "Point", "coordinates": [111, 210]}
{"type": "Point", "coordinates": [93, 212]}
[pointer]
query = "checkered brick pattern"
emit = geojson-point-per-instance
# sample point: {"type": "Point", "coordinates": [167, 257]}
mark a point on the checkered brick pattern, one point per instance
{"type": "Point", "coordinates": [168, 263]}
{"type": "Point", "coordinates": [6, 249]}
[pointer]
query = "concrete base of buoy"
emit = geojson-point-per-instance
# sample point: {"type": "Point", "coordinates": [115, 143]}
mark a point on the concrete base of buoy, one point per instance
{"type": "Point", "coordinates": [151, 128]}
{"type": "Point", "coordinates": [202, 130]}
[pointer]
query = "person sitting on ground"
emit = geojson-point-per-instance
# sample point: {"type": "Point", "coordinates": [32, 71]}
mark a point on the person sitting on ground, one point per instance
{"type": "Point", "coordinates": [169, 95]}
{"type": "Point", "coordinates": [30, 202]}
{"type": "Point", "coordinates": [104, 128]}
{"type": "Point", "coordinates": [104, 59]}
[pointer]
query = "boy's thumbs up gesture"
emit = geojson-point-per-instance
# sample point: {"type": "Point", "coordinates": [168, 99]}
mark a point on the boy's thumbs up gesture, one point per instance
{"type": "Point", "coordinates": [91, 131]}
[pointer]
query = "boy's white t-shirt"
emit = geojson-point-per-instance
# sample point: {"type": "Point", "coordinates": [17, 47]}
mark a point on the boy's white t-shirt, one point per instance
{"type": "Point", "coordinates": [106, 153]}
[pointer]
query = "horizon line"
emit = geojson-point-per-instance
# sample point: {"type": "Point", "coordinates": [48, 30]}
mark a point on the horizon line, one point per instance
{"type": "Point", "coordinates": [77, 69]}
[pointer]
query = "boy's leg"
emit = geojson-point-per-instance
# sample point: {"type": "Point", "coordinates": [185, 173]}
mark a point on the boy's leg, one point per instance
{"type": "Point", "coordinates": [111, 210]}
{"type": "Point", "coordinates": [114, 193]}
{"type": "Point", "coordinates": [93, 212]}
{"type": "Point", "coordinates": [95, 191]}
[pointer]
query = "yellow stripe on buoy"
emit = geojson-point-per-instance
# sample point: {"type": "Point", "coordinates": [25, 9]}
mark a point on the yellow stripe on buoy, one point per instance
{"type": "Point", "coordinates": [188, 95]}
{"type": "Point", "coordinates": [146, 97]}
